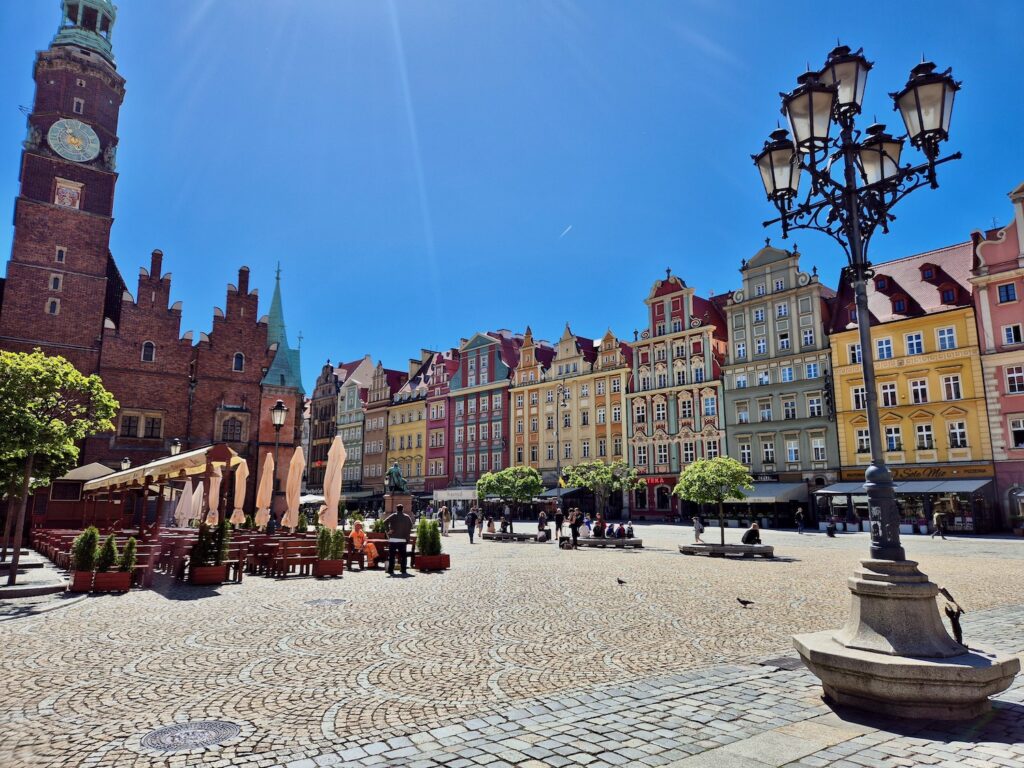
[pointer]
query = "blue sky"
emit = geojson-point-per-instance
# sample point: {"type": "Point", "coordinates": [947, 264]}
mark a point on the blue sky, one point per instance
{"type": "Point", "coordinates": [423, 170]}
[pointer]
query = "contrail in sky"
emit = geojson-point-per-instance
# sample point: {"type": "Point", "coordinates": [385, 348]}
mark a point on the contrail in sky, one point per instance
{"type": "Point", "coordinates": [565, 232]}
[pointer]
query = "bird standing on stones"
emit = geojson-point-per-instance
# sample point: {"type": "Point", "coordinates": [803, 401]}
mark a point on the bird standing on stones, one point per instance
{"type": "Point", "coordinates": [744, 603]}
{"type": "Point", "coordinates": [621, 582]}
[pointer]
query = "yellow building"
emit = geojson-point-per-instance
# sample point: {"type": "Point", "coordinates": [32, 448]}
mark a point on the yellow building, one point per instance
{"type": "Point", "coordinates": [407, 424]}
{"type": "Point", "coordinates": [568, 402]}
{"type": "Point", "coordinates": [931, 395]}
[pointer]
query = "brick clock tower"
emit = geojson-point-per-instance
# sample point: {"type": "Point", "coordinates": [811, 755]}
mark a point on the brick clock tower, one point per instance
{"type": "Point", "coordinates": [62, 286]}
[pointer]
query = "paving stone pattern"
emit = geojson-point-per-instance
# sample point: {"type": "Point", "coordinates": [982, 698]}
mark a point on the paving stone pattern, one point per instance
{"type": "Point", "coordinates": [521, 655]}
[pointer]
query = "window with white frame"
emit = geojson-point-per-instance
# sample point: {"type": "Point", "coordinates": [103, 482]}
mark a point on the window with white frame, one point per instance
{"type": "Point", "coordinates": [759, 315]}
{"type": "Point", "coordinates": [784, 340]}
{"type": "Point", "coordinates": [1012, 334]}
{"type": "Point", "coordinates": [957, 431]}
{"type": "Point", "coordinates": [686, 409]}
{"type": "Point", "coordinates": [814, 405]}
{"type": "Point", "coordinates": [759, 290]}
{"type": "Point", "coordinates": [951, 387]}
{"type": "Point", "coordinates": [742, 413]}
{"type": "Point", "coordinates": [519, 400]}
{"type": "Point", "coordinates": [887, 392]}
{"type": "Point", "coordinates": [585, 449]}
{"type": "Point", "coordinates": [741, 381]}
{"type": "Point", "coordinates": [496, 402]}
{"type": "Point", "coordinates": [919, 391]}
{"type": "Point", "coordinates": [788, 408]}
{"type": "Point", "coordinates": [818, 449]}
{"type": "Point", "coordinates": [711, 449]}
{"type": "Point", "coordinates": [549, 396]}
{"type": "Point", "coordinates": [893, 438]}
{"type": "Point", "coordinates": [853, 352]}
{"type": "Point", "coordinates": [1007, 292]}
{"type": "Point", "coordinates": [601, 415]}
{"type": "Point", "coordinates": [471, 433]}
{"type": "Point", "coordinates": [915, 343]}
{"type": "Point", "coordinates": [1017, 433]}
{"type": "Point", "coordinates": [786, 373]}
{"type": "Point", "coordinates": [763, 378]}
{"type": "Point", "coordinates": [859, 397]}
{"type": "Point", "coordinates": [710, 406]}
{"type": "Point", "coordinates": [741, 351]}
{"type": "Point", "coordinates": [616, 385]}
{"type": "Point", "coordinates": [640, 412]}
{"type": "Point", "coordinates": [782, 310]}
{"type": "Point", "coordinates": [925, 437]}
{"type": "Point", "coordinates": [689, 452]}
{"type": "Point", "coordinates": [808, 337]}
{"type": "Point", "coordinates": [602, 447]}
{"type": "Point", "coordinates": [760, 346]}
{"type": "Point", "coordinates": [483, 431]}
{"type": "Point", "coordinates": [767, 450]}
{"type": "Point", "coordinates": [660, 411]}
{"type": "Point", "coordinates": [459, 435]}
{"type": "Point", "coordinates": [662, 449]}
{"type": "Point", "coordinates": [496, 431]}
{"type": "Point", "coordinates": [551, 451]}
{"type": "Point", "coordinates": [946, 338]}
{"type": "Point", "coordinates": [863, 441]}
{"type": "Point", "coordinates": [780, 285]}
{"type": "Point", "coordinates": [792, 451]}
{"type": "Point", "coordinates": [811, 371]}
{"type": "Point", "coordinates": [616, 414]}
{"type": "Point", "coordinates": [599, 387]}
{"type": "Point", "coordinates": [764, 408]}
{"type": "Point", "coordinates": [883, 348]}
{"type": "Point", "coordinates": [471, 463]}
{"type": "Point", "coordinates": [641, 455]}
{"type": "Point", "coordinates": [1015, 379]}
{"type": "Point", "coordinates": [745, 454]}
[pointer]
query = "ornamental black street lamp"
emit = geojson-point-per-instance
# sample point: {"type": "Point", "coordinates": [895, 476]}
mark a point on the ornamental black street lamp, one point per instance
{"type": "Point", "coordinates": [561, 403]}
{"type": "Point", "coordinates": [126, 463]}
{"type": "Point", "coordinates": [278, 414]}
{"type": "Point", "coordinates": [175, 446]}
{"type": "Point", "coordinates": [875, 661]}
{"type": "Point", "coordinates": [855, 180]}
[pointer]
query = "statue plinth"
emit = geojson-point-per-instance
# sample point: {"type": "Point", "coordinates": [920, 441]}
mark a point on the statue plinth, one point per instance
{"type": "Point", "coordinates": [392, 500]}
{"type": "Point", "coordinates": [894, 657]}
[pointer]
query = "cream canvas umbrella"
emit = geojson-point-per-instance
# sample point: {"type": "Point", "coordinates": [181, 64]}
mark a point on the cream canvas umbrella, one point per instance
{"type": "Point", "coordinates": [265, 492]}
{"type": "Point", "coordinates": [213, 498]}
{"type": "Point", "coordinates": [293, 488]}
{"type": "Point", "coordinates": [332, 483]}
{"type": "Point", "coordinates": [183, 509]}
{"type": "Point", "coordinates": [196, 513]}
{"type": "Point", "coordinates": [241, 478]}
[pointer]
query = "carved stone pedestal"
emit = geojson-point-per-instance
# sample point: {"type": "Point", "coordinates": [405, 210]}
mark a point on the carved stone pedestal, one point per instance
{"type": "Point", "coordinates": [894, 656]}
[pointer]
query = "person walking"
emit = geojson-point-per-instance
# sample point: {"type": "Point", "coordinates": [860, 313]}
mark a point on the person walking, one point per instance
{"type": "Point", "coordinates": [399, 528]}
{"type": "Point", "coordinates": [542, 523]}
{"type": "Point", "coordinates": [479, 521]}
{"type": "Point", "coordinates": [698, 529]}
{"type": "Point", "coordinates": [471, 523]}
{"type": "Point", "coordinates": [939, 524]}
{"type": "Point", "coordinates": [559, 519]}
{"type": "Point", "coordinates": [446, 520]}
{"type": "Point", "coordinates": [799, 519]}
{"type": "Point", "coordinates": [575, 521]}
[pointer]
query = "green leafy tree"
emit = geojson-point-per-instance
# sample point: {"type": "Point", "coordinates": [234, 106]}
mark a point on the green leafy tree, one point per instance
{"type": "Point", "coordinates": [45, 467]}
{"type": "Point", "coordinates": [603, 480]}
{"type": "Point", "coordinates": [46, 407]}
{"type": "Point", "coordinates": [712, 481]}
{"type": "Point", "coordinates": [516, 485]}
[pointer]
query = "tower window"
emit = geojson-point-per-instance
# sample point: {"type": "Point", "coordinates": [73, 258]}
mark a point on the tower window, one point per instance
{"type": "Point", "coordinates": [53, 306]}
{"type": "Point", "coordinates": [78, 105]}
{"type": "Point", "coordinates": [231, 431]}
{"type": "Point", "coordinates": [61, 254]}
{"type": "Point", "coordinates": [56, 282]}
{"type": "Point", "coordinates": [80, 83]}
{"type": "Point", "coordinates": [148, 352]}
{"type": "Point", "coordinates": [239, 362]}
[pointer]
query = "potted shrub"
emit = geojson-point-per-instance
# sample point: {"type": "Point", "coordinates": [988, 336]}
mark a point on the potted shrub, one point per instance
{"type": "Point", "coordinates": [428, 544]}
{"type": "Point", "coordinates": [328, 561]}
{"type": "Point", "coordinates": [206, 563]}
{"type": "Point", "coordinates": [377, 530]}
{"type": "Point", "coordinates": [1017, 524]}
{"type": "Point", "coordinates": [83, 559]}
{"type": "Point", "coordinates": [107, 579]}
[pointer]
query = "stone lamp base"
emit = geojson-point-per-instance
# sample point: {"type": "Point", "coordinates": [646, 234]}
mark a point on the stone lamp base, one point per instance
{"type": "Point", "coordinates": [894, 656]}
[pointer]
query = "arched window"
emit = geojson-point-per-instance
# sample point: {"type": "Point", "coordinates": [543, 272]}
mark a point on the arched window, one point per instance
{"type": "Point", "coordinates": [148, 352]}
{"type": "Point", "coordinates": [231, 430]}
{"type": "Point", "coordinates": [239, 362]}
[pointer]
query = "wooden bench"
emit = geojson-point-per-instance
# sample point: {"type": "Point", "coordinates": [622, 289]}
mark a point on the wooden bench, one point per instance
{"type": "Point", "coordinates": [722, 550]}
{"type": "Point", "coordinates": [498, 536]}
{"type": "Point", "coordinates": [293, 557]}
{"type": "Point", "coordinates": [593, 541]}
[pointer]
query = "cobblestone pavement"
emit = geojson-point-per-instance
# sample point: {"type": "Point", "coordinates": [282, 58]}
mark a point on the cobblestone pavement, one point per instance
{"type": "Point", "coordinates": [519, 655]}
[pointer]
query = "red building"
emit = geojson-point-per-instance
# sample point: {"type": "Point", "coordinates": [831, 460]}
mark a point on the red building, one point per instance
{"type": "Point", "coordinates": [64, 294]}
{"type": "Point", "coordinates": [998, 278]}
{"type": "Point", "coordinates": [439, 419]}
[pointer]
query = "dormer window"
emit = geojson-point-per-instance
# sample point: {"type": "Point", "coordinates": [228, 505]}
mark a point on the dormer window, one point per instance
{"type": "Point", "coordinates": [948, 295]}
{"type": "Point", "coordinates": [899, 305]}
{"type": "Point", "coordinates": [881, 283]}
{"type": "Point", "coordinates": [928, 273]}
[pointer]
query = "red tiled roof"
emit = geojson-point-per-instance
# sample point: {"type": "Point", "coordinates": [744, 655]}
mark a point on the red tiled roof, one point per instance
{"type": "Point", "coordinates": [708, 311]}
{"type": "Point", "coordinates": [904, 278]}
{"type": "Point", "coordinates": [395, 379]}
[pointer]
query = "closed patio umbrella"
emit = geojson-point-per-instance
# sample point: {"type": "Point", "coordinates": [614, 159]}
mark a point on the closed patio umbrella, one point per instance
{"type": "Point", "coordinates": [332, 483]}
{"type": "Point", "coordinates": [241, 479]}
{"type": "Point", "coordinates": [213, 498]}
{"type": "Point", "coordinates": [183, 509]}
{"type": "Point", "coordinates": [265, 492]}
{"type": "Point", "coordinates": [196, 513]}
{"type": "Point", "coordinates": [293, 488]}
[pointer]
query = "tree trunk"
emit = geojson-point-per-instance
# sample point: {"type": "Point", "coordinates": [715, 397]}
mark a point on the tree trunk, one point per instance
{"type": "Point", "coordinates": [8, 523]}
{"type": "Point", "coordinates": [19, 526]}
{"type": "Point", "coordinates": [721, 521]}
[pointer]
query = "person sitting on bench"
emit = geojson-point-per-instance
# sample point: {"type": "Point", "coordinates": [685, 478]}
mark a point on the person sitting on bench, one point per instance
{"type": "Point", "coordinates": [629, 529]}
{"type": "Point", "coordinates": [752, 535]}
{"type": "Point", "coordinates": [504, 525]}
{"type": "Point", "coordinates": [490, 524]}
{"type": "Point", "coordinates": [620, 532]}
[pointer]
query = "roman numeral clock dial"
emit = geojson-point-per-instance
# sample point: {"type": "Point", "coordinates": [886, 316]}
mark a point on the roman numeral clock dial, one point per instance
{"type": "Point", "coordinates": [73, 140]}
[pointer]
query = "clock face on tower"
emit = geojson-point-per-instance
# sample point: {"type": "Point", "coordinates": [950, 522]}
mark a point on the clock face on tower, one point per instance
{"type": "Point", "coordinates": [73, 140]}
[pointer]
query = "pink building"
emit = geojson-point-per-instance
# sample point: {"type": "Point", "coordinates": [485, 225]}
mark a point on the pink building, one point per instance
{"type": "Point", "coordinates": [439, 419]}
{"type": "Point", "coordinates": [998, 278]}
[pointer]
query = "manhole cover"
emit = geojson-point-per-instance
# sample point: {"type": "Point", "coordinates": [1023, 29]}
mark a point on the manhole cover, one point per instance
{"type": "Point", "coordinates": [784, 662]}
{"type": "Point", "coordinates": [327, 601]}
{"type": "Point", "coordinates": [185, 736]}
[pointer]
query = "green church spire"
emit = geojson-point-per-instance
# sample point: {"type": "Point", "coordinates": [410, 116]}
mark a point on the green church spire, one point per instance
{"type": "Point", "coordinates": [87, 24]}
{"type": "Point", "coordinates": [285, 370]}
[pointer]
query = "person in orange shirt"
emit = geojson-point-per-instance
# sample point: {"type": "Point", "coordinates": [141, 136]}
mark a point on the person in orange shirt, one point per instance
{"type": "Point", "coordinates": [361, 544]}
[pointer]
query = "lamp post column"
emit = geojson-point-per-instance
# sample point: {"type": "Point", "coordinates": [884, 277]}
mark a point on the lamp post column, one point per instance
{"type": "Point", "coordinates": [882, 509]}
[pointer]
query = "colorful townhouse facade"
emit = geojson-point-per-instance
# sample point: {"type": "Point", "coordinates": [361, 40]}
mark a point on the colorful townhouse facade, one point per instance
{"type": "Point", "coordinates": [568, 402]}
{"type": "Point", "coordinates": [407, 424]}
{"type": "Point", "coordinates": [778, 403]}
{"type": "Point", "coordinates": [675, 406]}
{"type": "Point", "coordinates": [998, 280]}
{"type": "Point", "coordinates": [480, 403]}
{"type": "Point", "coordinates": [325, 405]}
{"type": "Point", "coordinates": [931, 393]}
{"type": "Point", "coordinates": [439, 420]}
{"type": "Point", "coordinates": [384, 383]}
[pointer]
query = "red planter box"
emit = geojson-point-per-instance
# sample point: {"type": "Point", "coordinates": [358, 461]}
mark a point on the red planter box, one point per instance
{"type": "Point", "coordinates": [81, 581]}
{"type": "Point", "coordinates": [324, 568]}
{"type": "Point", "coordinates": [206, 575]}
{"type": "Point", "coordinates": [440, 562]}
{"type": "Point", "coordinates": [112, 581]}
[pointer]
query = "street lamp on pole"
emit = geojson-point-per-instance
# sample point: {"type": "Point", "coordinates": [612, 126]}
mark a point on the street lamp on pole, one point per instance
{"type": "Point", "coordinates": [175, 446]}
{"type": "Point", "coordinates": [856, 179]}
{"type": "Point", "coordinates": [561, 403]}
{"type": "Point", "coordinates": [126, 463]}
{"type": "Point", "coordinates": [278, 414]}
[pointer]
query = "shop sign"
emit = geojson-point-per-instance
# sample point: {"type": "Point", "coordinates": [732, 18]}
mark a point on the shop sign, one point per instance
{"type": "Point", "coordinates": [766, 477]}
{"type": "Point", "coordinates": [928, 472]}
